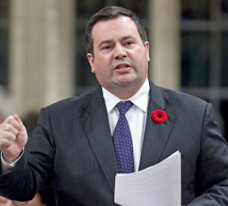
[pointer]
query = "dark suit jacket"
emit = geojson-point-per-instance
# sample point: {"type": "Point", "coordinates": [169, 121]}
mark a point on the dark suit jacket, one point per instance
{"type": "Point", "coordinates": [72, 144]}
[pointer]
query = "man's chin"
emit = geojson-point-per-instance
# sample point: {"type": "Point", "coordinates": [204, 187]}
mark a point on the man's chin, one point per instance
{"type": "Point", "coordinates": [126, 80]}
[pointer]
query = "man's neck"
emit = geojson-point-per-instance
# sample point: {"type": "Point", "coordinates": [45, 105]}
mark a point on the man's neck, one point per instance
{"type": "Point", "coordinates": [125, 92]}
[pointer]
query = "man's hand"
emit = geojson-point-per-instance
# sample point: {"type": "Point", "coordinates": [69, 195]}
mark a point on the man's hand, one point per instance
{"type": "Point", "coordinates": [13, 137]}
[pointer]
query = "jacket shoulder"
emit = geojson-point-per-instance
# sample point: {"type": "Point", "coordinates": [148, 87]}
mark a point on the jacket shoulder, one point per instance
{"type": "Point", "coordinates": [84, 100]}
{"type": "Point", "coordinates": [179, 103]}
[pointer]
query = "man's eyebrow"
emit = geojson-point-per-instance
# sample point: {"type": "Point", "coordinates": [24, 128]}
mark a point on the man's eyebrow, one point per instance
{"type": "Point", "coordinates": [110, 41]}
{"type": "Point", "coordinates": [105, 42]}
{"type": "Point", "coordinates": [128, 37]}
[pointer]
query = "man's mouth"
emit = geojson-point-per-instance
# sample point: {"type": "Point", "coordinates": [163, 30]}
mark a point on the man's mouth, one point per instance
{"type": "Point", "coordinates": [122, 66]}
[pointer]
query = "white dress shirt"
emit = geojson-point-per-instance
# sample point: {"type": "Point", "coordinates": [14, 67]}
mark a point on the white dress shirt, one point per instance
{"type": "Point", "coordinates": [6, 167]}
{"type": "Point", "coordinates": [136, 116]}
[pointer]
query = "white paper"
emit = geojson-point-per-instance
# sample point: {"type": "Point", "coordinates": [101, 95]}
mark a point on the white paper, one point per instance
{"type": "Point", "coordinates": [159, 185]}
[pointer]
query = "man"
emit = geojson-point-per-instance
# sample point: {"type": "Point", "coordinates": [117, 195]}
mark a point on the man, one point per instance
{"type": "Point", "coordinates": [73, 143]}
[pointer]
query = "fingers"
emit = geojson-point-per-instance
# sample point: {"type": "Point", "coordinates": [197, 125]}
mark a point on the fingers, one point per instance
{"type": "Point", "coordinates": [10, 128]}
{"type": "Point", "coordinates": [14, 121]}
{"type": "Point", "coordinates": [13, 137]}
{"type": "Point", "coordinates": [7, 140]}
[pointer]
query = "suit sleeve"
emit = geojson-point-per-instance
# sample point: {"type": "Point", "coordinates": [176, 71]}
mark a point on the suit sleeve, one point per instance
{"type": "Point", "coordinates": [212, 165]}
{"type": "Point", "coordinates": [33, 170]}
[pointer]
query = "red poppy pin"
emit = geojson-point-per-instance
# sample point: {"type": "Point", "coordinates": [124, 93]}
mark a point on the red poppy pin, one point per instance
{"type": "Point", "coordinates": [159, 116]}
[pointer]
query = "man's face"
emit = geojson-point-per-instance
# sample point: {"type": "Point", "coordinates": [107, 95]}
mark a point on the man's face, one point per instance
{"type": "Point", "coordinates": [120, 60]}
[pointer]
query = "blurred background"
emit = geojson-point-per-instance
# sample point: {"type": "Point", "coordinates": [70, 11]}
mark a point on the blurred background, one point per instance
{"type": "Point", "coordinates": [43, 58]}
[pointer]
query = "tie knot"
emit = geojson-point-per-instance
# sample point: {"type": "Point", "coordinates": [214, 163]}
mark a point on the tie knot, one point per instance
{"type": "Point", "coordinates": [124, 107]}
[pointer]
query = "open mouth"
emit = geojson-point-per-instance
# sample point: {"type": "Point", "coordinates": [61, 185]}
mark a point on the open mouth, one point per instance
{"type": "Point", "coordinates": [122, 66]}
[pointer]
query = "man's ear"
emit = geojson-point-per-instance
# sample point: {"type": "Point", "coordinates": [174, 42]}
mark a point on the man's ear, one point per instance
{"type": "Point", "coordinates": [91, 62]}
{"type": "Point", "coordinates": [147, 47]}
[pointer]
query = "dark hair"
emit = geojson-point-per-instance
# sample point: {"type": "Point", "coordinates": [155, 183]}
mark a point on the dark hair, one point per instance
{"type": "Point", "coordinates": [111, 12]}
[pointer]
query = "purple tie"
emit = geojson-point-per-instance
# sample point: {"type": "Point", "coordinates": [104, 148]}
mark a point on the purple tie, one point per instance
{"type": "Point", "coordinates": [122, 140]}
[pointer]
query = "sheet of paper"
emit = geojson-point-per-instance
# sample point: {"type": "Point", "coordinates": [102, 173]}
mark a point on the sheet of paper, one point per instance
{"type": "Point", "coordinates": [153, 186]}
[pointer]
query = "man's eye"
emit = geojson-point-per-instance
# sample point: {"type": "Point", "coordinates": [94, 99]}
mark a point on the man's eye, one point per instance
{"type": "Point", "coordinates": [129, 43]}
{"type": "Point", "coordinates": [106, 47]}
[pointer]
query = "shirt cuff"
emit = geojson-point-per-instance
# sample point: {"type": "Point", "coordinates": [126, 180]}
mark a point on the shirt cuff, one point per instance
{"type": "Point", "coordinates": [8, 167]}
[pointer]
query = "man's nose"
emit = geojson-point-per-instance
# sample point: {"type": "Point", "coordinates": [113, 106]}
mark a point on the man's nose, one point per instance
{"type": "Point", "coordinates": [120, 52]}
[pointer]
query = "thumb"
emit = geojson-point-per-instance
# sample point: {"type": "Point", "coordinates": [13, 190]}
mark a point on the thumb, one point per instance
{"type": "Point", "coordinates": [22, 129]}
{"type": "Point", "coordinates": [18, 119]}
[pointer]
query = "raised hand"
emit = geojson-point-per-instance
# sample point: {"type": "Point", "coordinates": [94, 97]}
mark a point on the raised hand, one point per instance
{"type": "Point", "coordinates": [13, 137]}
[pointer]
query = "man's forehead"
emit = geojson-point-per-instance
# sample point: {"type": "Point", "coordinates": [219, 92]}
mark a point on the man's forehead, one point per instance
{"type": "Point", "coordinates": [115, 21]}
{"type": "Point", "coordinates": [111, 18]}
{"type": "Point", "coordinates": [123, 24]}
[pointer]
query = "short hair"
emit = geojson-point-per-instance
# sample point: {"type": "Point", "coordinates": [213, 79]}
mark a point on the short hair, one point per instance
{"type": "Point", "coordinates": [111, 12]}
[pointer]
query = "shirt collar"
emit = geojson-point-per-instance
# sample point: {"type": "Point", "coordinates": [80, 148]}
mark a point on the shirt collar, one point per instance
{"type": "Point", "coordinates": [140, 99]}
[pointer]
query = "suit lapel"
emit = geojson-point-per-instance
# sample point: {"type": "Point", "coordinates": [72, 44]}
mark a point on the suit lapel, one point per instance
{"type": "Point", "coordinates": [97, 129]}
{"type": "Point", "coordinates": [156, 134]}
